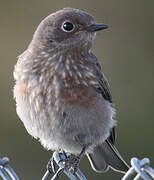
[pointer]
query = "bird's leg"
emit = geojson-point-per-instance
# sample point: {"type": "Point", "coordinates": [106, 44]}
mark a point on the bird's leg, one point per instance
{"type": "Point", "coordinates": [71, 164]}
{"type": "Point", "coordinates": [82, 153]}
{"type": "Point", "coordinates": [76, 160]}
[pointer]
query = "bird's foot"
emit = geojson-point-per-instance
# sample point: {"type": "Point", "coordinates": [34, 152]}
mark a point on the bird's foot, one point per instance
{"type": "Point", "coordinates": [66, 163]}
{"type": "Point", "coordinates": [71, 164]}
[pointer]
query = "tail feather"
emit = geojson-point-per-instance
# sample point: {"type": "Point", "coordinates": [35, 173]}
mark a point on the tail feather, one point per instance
{"type": "Point", "coordinates": [105, 156]}
{"type": "Point", "coordinates": [97, 160]}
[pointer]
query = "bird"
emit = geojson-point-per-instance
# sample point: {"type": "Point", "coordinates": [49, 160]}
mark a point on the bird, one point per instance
{"type": "Point", "coordinates": [62, 95]}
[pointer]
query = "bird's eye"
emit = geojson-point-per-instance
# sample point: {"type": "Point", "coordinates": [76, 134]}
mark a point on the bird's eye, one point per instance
{"type": "Point", "coordinates": [67, 27]}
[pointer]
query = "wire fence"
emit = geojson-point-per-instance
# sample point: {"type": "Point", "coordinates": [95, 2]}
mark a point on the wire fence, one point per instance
{"type": "Point", "coordinates": [140, 169]}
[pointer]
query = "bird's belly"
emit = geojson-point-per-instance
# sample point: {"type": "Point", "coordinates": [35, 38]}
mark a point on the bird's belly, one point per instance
{"type": "Point", "coordinates": [76, 124]}
{"type": "Point", "coordinates": [76, 119]}
{"type": "Point", "coordinates": [80, 96]}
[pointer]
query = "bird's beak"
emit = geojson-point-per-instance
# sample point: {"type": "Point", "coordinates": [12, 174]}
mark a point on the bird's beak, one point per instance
{"type": "Point", "coordinates": [96, 27]}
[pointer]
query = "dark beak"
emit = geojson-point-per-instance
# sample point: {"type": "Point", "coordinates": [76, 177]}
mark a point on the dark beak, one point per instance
{"type": "Point", "coordinates": [96, 27]}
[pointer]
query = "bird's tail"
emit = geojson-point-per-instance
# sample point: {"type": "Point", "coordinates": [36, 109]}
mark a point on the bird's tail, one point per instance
{"type": "Point", "coordinates": [105, 156]}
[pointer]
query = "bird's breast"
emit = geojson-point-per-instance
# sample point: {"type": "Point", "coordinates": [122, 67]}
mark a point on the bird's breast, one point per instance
{"type": "Point", "coordinates": [79, 95]}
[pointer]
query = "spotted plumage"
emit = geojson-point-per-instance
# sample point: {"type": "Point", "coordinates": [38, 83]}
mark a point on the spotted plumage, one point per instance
{"type": "Point", "coordinates": [61, 93]}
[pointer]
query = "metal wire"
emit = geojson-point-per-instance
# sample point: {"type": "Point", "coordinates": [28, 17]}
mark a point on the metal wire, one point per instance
{"type": "Point", "coordinates": [6, 172]}
{"type": "Point", "coordinates": [59, 159]}
{"type": "Point", "coordinates": [140, 169]}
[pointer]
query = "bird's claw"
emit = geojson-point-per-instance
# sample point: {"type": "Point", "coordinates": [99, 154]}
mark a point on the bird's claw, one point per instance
{"type": "Point", "coordinates": [71, 164]}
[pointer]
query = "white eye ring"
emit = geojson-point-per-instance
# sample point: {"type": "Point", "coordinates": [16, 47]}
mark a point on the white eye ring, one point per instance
{"type": "Point", "coordinates": [67, 26]}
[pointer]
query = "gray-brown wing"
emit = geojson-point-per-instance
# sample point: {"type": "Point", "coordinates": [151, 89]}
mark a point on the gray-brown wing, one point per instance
{"type": "Point", "coordinates": [103, 84]}
{"type": "Point", "coordinates": [106, 154]}
{"type": "Point", "coordinates": [103, 89]}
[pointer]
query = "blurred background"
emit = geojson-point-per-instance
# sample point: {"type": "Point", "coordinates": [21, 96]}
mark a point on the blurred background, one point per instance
{"type": "Point", "coordinates": [126, 51]}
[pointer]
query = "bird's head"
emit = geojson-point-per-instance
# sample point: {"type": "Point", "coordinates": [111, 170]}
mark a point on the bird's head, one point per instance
{"type": "Point", "coordinates": [67, 28]}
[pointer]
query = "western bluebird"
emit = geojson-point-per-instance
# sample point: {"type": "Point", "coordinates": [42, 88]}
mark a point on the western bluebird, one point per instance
{"type": "Point", "coordinates": [61, 93]}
